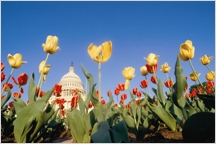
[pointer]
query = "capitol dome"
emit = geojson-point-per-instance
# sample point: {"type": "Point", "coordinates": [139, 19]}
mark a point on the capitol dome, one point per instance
{"type": "Point", "coordinates": [70, 81]}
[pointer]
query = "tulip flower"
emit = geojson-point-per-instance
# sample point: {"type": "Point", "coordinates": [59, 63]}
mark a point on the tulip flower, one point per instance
{"type": "Point", "coordinates": [168, 83]}
{"type": "Point", "coordinates": [143, 71]}
{"type": "Point", "coordinates": [109, 93]}
{"type": "Point", "coordinates": [205, 60]}
{"type": "Point", "coordinates": [2, 97]}
{"type": "Point", "coordinates": [22, 79]}
{"type": "Point", "coordinates": [62, 112]}
{"type": "Point", "coordinates": [3, 76]}
{"type": "Point", "coordinates": [57, 90]}
{"type": "Point", "coordinates": [121, 87]}
{"type": "Point", "coordinates": [16, 60]}
{"type": "Point", "coordinates": [152, 69]}
{"type": "Point", "coordinates": [90, 105]}
{"type": "Point", "coordinates": [144, 84]}
{"type": "Point", "coordinates": [60, 101]}
{"type": "Point", "coordinates": [186, 50]}
{"type": "Point", "coordinates": [123, 96]}
{"type": "Point", "coordinates": [51, 45]}
{"type": "Point", "coordinates": [165, 68]}
{"type": "Point", "coordinates": [39, 92]}
{"type": "Point", "coordinates": [103, 102]}
{"type": "Point", "coordinates": [44, 69]}
{"type": "Point", "coordinates": [6, 85]}
{"type": "Point", "coordinates": [134, 91]}
{"type": "Point", "coordinates": [210, 84]}
{"type": "Point", "coordinates": [139, 94]}
{"type": "Point", "coordinates": [210, 76]}
{"type": "Point", "coordinates": [17, 95]}
{"type": "Point", "coordinates": [116, 92]}
{"type": "Point", "coordinates": [194, 76]}
{"type": "Point", "coordinates": [101, 53]}
{"type": "Point", "coordinates": [2, 66]}
{"type": "Point", "coordinates": [74, 101]}
{"type": "Point", "coordinates": [152, 59]}
{"type": "Point", "coordinates": [128, 74]}
{"type": "Point", "coordinates": [153, 79]}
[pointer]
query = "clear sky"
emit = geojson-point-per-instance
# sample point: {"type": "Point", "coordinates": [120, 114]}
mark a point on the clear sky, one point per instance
{"type": "Point", "coordinates": [135, 29]}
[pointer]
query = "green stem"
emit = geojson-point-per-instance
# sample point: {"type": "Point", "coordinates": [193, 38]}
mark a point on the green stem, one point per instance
{"type": "Point", "coordinates": [41, 75]}
{"type": "Point", "coordinates": [197, 76]}
{"type": "Point", "coordinates": [147, 86]}
{"type": "Point", "coordinates": [99, 81]}
{"type": "Point", "coordinates": [7, 79]}
{"type": "Point", "coordinates": [168, 81]}
{"type": "Point", "coordinates": [86, 87]}
{"type": "Point", "coordinates": [210, 70]}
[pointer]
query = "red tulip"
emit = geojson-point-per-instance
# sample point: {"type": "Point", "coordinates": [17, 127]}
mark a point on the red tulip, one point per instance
{"type": "Point", "coordinates": [153, 79]}
{"type": "Point", "coordinates": [90, 105]}
{"type": "Point", "coordinates": [2, 66]}
{"type": "Point", "coordinates": [109, 93]}
{"type": "Point", "coordinates": [41, 92]}
{"type": "Point", "coordinates": [22, 79]}
{"type": "Point", "coordinates": [6, 85]}
{"type": "Point", "coordinates": [168, 83]}
{"type": "Point", "coordinates": [144, 84]}
{"type": "Point", "coordinates": [57, 90]}
{"type": "Point", "coordinates": [123, 96]}
{"type": "Point", "coordinates": [62, 112]}
{"type": "Point", "coordinates": [134, 91]}
{"type": "Point", "coordinates": [116, 92]}
{"type": "Point", "coordinates": [103, 102]}
{"type": "Point", "coordinates": [116, 104]}
{"type": "Point", "coordinates": [139, 94]}
{"type": "Point", "coordinates": [152, 69]}
{"type": "Point", "coordinates": [74, 101]}
{"type": "Point", "coordinates": [3, 76]}
{"type": "Point", "coordinates": [17, 95]}
{"type": "Point", "coordinates": [121, 87]}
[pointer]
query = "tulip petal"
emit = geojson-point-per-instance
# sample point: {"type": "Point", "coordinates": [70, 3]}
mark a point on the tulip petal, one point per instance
{"type": "Point", "coordinates": [91, 50]}
{"type": "Point", "coordinates": [11, 60]}
{"type": "Point", "coordinates": [189, 43]}
{"type": "Point", "coordinates": [106, 51]}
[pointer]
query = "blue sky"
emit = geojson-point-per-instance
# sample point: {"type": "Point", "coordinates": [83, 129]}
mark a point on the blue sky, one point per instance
{"type": "Point", "coordinates": [135, 29]}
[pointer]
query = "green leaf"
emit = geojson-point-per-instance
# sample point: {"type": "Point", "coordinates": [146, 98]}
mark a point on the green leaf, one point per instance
{"type": "Point", "coordinates": [164, 115]}
{"type": "Point", "coordinates": [119, 133]}
{"type": "Point", "coordinates": [32, 90]}
{"type": "Point", "coordinates": [143, 130]}
{"type": "Point", "coordinates": [81, 105]}
{"type": "Point", "coordinates": [208, 100]}
{"type": "Point", "coordinates": [19, 104]}
{"type": "Point", "coordinates": [5, 99]}
{"type": "Point", "coordinates": [102, 135]}
{"type": "Point", "coordinates": [160, 93]}
{"type": "Point", "coordinates": [98, 112]}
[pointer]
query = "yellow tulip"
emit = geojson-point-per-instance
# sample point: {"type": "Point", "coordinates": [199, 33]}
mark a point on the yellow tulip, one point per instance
{"type": "Point", "coordinates": [128, 74]}
{"type": "Point", "coordinates": [193, 76]}
{"type": "Point", "coordinates": [51, 45]}
{"type": "Point", "coordinates": [143, 71]}
{"type": "Point", "coordinates": [165, 68]}
{"type": "Point", "coordinates": [210, 76]}
{"type": "Point", "coordinates": [44, 71]}
{"type": "Point", "coordinates": [16, 60]}
{"type": "Point", "coordinates": [152, 59]}
{"type": "Point", "coordinates": [205, 60]}
{"type": "Point", "coordinates": [101, 53]}
{"type": "Point", "coordinates": [186, 50]}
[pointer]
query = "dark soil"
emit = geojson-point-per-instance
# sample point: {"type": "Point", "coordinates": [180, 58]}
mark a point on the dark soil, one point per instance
{"type": "Point", "coordinates": [164, 135]}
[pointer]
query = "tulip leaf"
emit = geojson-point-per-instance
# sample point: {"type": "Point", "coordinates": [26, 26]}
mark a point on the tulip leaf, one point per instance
{"type": "Point", "coordinates": [132, 96]}
{"type": "Point", "coordinates": [160, 93]}
{"type": "Point", "coordinates": [164, 115]}
{"type": "Point", "coordinates": [98, 112]}
{"type": "Point", "coordinates": [119, 133]}
{"type": "Point", "coordinates": [6, 98]}
{"type": "Point", "coordinates": [130, 122]}
{"type": "Point", "coordinates": [143, 130]}
{"type": "Point", "coordinates": [102, 135]}
{"type": "Point", "coordinates": [180, 84]}
{"type": "Point", "coordinates": [95, 128]}
{"type": "Point", "coordinates": [81, 105]}
{"type": "Point", "coordinates": [139, 113]}
{"type": "Point", "coordinates": [19, 104]}
{"type": "Point", "coordinates": [32, 90]}
{"type": "Point", "coordinates": [133, 109]}
{"type": "Point", "coordinates": [208, 100]}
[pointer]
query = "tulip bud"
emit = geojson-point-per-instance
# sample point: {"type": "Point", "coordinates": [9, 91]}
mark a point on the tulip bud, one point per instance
{"type": "Point", "coordinates": [165, 68]}
{"type": "Point", "coordinates": [139, 94]}
{"type": "Point", "coordinates": [205, 60]}
{"type": "Point", "coordinates": [152, 59]}
{"type": "Point", "coordinates": [51, 45]}
{"type": "Point", "coordinates": [143, 71]}
{"type": "Point", "coordinates": [153, 79]}
{"type": "Point", "coordinates": [168, 83]}
{"type": "Point", "coordinates": [193, 76]}
{"type": "Point", "coordinates": [134, 91]}
{"type": "Point", "coordinates": [152, 69]}
{"type": "Point", "coordinates": [210, 76]}
{"type": "Point", "coordinates": [2, 66]}
{"type": "Point", "coordinates": [116, 92]}
{"type": "Point", "coordinates": [128, 74]}
{"type": "Point", "coordinates": [16, 60]}
{"type": "Point", "coordinates": [144, 84]}
{"type": "Point", "coordinates": [3, 76]}
{"type": "Point", "coordinates": [186, 50]}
